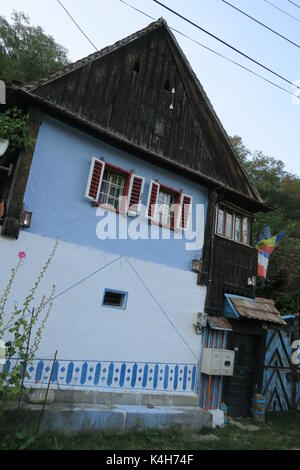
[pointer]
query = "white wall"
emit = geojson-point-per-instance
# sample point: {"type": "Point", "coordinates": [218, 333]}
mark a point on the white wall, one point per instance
{"type": "Point", "coordinates": [81, 329]}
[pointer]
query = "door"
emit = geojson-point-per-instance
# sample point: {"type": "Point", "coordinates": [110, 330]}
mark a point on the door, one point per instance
{"type": "Point", "coordinates": [239, 387]}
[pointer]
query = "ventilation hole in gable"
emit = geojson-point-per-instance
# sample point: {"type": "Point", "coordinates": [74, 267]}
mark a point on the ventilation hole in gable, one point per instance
{"type": "Point", "coordinates": [167, 85]}
{"type": "Point", "coordinates": [136, 67]}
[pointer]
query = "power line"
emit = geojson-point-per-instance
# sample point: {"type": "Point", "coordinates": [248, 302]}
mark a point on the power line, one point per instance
{"type": "Point", "coordinates": [293, 3]}
{"type": "Point", "coordinates": [72, 286]}
{"type": "Point", "coordinates": [188, 37]}
{"type": "Point", "coordinates": [226, 44]}
{"type": "Point", "coordinates": [160, 307]}
{"type": "Point", "coordinates": [76, 24]}
{"type": "Point", "coordinates": [213, 51]}
{"type": "Point", "coordinates": [283, 11]}
{"type": "Point", "coordinates": [261, 24]}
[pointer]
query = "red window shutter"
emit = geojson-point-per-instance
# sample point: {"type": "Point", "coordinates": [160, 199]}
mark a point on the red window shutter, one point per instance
{"type": "Point", "coordinates": [185, 211]}
{"type": "Point", "coordinates": [135, 194]}
{"type": "Point", "coordinates": [124, 205]}
{"type": "Point", "coordinates": [152, 199]}
{"type": "Point", "coordinates": [95, 179]}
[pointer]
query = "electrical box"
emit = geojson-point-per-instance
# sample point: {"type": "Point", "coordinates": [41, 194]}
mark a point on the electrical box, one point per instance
{"type": "Point", "coordinates": [217, 361]}
{"type": "Point", "coordinates": [200, 320]}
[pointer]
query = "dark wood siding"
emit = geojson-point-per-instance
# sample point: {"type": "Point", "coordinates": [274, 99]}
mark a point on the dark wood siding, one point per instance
{"type": "Point", "coordinates": [132, 102]}
{"type": "Point", "coordinates": [227, 265]}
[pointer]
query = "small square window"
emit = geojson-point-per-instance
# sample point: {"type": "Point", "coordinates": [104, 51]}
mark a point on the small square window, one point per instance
{"type": "Point", "coordinates": [114, 299]}
{"type": "Point", "coordinates": [112, 189]}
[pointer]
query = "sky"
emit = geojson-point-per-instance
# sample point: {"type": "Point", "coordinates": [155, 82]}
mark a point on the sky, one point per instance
{"type": "Point", "coordinates": [265, 117]}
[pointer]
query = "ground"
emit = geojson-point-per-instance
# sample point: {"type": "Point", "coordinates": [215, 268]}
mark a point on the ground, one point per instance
{"type": "Point", "coordinates": [281, 431]}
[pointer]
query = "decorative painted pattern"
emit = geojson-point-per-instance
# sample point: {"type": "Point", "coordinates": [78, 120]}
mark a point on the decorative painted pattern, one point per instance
{"type": "Point", "coordinates": [277, 381]}
{"type": "Point", "coordinates": [112, 375]}
{"type": "Point", "coordinates": [211, 387]}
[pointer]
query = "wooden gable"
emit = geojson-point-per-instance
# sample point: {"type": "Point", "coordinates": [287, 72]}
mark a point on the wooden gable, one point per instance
{"type": "Point", "coordinates": [126, 89]}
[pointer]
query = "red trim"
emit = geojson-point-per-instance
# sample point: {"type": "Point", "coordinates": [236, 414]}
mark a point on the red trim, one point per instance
{"type": "Point", "coordinates": [167, 189]}
{"type": "Point", "coordinates": [120, 171]}
{"type": "Point", "coordinates": [117, 169]}
{"type": "Point", "coordinates": [94, 184]}
{"type": "Point", "coordinates": [136, 191]}
{"type": "Point", "coordinates": [153, 198]}
{"type": "Point", "coordinates": [185, 211]}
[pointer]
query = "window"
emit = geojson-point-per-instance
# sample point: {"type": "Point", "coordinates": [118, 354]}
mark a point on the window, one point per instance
{"type": "Point", "coordinates": [233, 225]}
{"type": "Point", "coordinates": [221, 218]}
{"type": "Point", "coordinates": [168, 207]}
{"type": "Point", "coordinates": [229, 224]}
{"type": "Point", "coordinates": [246, 230]}
{"type": "Point", "coordinates": [114, 299]}
{"type": "Point", "coordinates": [237, 228]}
{"type": "Point", "coordinates": [114, 187]}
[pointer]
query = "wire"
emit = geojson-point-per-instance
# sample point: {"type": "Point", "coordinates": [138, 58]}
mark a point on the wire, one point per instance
{"type": "Point", "coordinates": [283, 11]}
{"type": "Point", "coordinates": [191, 39]}
{"type": "Point", "coordinates": [160, 307]}
{"type": "Point", "coordinates": [261, 24]}
{"type": "Point", "coordinates": [85, 35]}
{"type": "Point", "coordinates": [214, 52]}
{"type": "Point", "coordinates": [72, 287]}
{"type": "Point", "coordinates": [293, 3]}
{"type": "Point", "coordinates": [226, 44]}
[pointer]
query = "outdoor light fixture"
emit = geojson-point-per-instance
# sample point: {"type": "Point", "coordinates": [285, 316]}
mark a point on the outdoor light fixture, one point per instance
{"type": "Point", "coordinates": [252, 281]}
{"type": "Point", "coordinates": [26, 219]}
{"type": "Point", "coordinates": [173, 95]}
{"type": "Point", "coordinates": [197, 265]}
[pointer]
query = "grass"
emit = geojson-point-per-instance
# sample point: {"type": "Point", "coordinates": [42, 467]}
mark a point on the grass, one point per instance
{"type": "Point", "coordinates": [281, 431]}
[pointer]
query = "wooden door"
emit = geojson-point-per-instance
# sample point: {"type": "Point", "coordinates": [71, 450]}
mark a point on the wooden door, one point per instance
{"type": "Point", "coordinates": [239, 387]}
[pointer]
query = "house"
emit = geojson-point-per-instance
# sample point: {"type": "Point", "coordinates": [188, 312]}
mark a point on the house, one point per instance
{"type": "Point", "coordinates": [134, 173]}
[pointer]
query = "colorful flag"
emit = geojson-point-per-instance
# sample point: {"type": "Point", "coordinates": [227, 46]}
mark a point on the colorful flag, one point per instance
{"type": "Point", "coordinates": [265, 248]}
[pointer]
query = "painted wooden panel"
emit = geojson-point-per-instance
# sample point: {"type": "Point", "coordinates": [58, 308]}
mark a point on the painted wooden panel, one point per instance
{"type": "Point", "coordinates": [211, 387]}
{"type": "Point", "coordinates": [279, 378]}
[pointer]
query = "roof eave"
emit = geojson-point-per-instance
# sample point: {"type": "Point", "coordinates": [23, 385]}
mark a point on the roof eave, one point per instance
{"type": "Point", "coordinates": [117, 140]}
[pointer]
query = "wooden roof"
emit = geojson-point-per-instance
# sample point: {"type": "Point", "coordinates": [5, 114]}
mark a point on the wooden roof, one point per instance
{"type": "Point", "coordinates": [125, 91]}
{"type": "Point", "coordinates": [256, 309]}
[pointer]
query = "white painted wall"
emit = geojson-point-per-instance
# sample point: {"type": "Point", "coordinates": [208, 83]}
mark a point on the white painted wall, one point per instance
{"type": "Point", "coordinates": [80, 328]}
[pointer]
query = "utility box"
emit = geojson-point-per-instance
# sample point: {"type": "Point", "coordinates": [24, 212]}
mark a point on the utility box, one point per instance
{"type": "Point", "coordinates": [217, 361]}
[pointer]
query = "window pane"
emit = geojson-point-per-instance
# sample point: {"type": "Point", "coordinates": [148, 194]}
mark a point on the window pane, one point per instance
{"type": "Point", "coordinates": [237, 235]}
{"type": "Point", "coordinates": [246, 226]}
{"type": "Point", "coordinates": [112, 189]}
{"type": "Point", "coordinates": [165, 208]}
{"type": "Point", "coordinates": [220, 226]}
{"type": "Point", "coordinates": [229, 224]}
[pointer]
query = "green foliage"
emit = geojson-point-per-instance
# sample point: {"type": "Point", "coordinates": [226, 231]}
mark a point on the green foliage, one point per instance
{"type": "Point", "coordinates": [19, 323]}
{"type": "Point", "coordinates": [280, 189]}
{"type": "Point", "coordinates": [26, 52]}
{"type": "Point", "coordinates": [14, 126]}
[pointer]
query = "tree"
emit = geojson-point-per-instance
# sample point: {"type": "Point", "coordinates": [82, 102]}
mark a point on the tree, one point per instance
{"type": "Point", "coordinates": [26, 52]}
{"type": "Point", "coordinates": [280, 189]}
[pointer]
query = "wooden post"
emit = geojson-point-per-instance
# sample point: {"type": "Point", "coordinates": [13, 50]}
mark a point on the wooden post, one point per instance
{"type": "Point", "coordinates": [11, 222]}
{"type": "Point", "coordinates": [46, 395]}
{"type": "Point", "coordinates": [26, 357]}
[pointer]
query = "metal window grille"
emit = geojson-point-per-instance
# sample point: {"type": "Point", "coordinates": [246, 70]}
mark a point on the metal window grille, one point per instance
{"type": "Point", "coordinates": [112, 189]}
{"type": "Point", "coordinates": [166, 209]}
